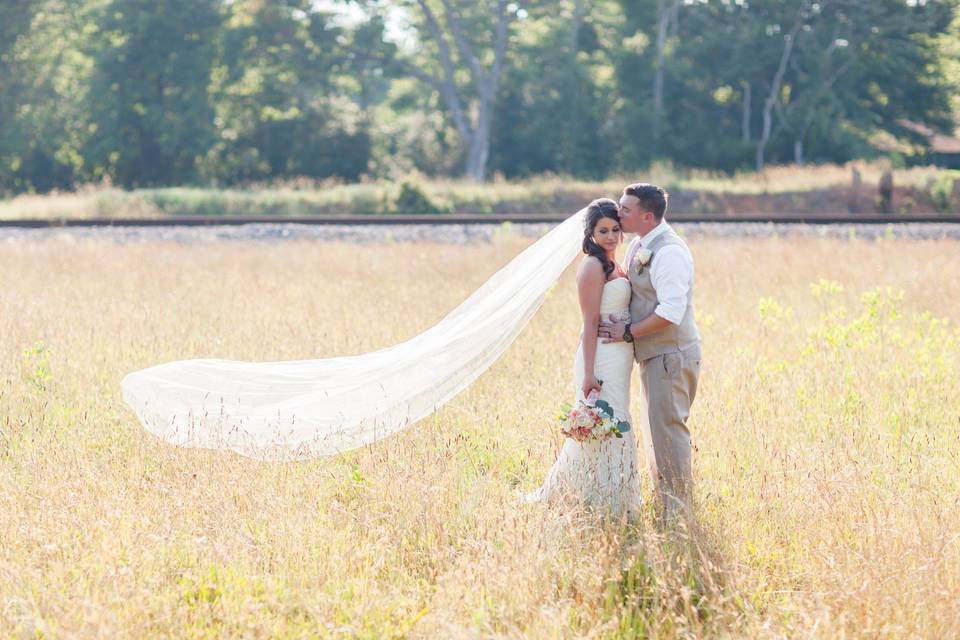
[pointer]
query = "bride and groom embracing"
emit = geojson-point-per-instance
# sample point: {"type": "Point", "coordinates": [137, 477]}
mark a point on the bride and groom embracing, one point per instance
{"type": "Point", "coordinates": [640, 311]}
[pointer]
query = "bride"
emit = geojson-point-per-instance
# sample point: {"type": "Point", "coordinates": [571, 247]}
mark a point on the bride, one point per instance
{"type": "Point", "coordinates": [320, 407]}
{"type": "Point", "coordinates": [601, 473]}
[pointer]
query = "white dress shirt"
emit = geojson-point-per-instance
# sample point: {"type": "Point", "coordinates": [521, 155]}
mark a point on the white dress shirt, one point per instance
{"type": "Point", "coordinates": [671, 274]}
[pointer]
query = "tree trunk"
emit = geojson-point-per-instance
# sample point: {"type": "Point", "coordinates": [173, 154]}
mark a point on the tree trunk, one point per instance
{"type": "Point", "coordinates": [476, 169]}
{"type": "Point", "coordinates": [885, 196]}
{"type": "Point", "coordinates": [478, 146]}
{"type": "Point", "coordinates": [663, 22]}
{"type": "Point", "coordinates": [764, 138]}
{"type": "Point", "coordinates": [798, 152]}
{"type": "Point", "coordinates": [668, 12]}
{"type": "Point", "coordinates": [476, 136]}
{"type": "Point", "coordinates": [853, 200]}
{"type": "Point", "coordinates": [774, 94]}
{"type": "Point", "coordinates": [745, 122]}
{"type": "Point", "coordinates": [578, 13]}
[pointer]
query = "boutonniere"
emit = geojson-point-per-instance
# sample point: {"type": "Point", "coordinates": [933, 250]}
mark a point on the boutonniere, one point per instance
{"type": "Point", "coordinates": [642, 259]}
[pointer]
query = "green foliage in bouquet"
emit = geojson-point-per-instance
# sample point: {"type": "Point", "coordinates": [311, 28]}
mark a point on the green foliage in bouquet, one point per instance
{"type": "Point", "coordinates": [622, 425]}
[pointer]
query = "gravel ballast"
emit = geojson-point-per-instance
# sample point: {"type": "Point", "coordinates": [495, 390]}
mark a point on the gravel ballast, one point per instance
{"type": "Point", "coordinates": [463, 233]}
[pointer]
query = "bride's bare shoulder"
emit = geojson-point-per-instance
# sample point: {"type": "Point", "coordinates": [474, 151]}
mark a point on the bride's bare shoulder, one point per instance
{"type": "Point", "coordinates": [590, 268]}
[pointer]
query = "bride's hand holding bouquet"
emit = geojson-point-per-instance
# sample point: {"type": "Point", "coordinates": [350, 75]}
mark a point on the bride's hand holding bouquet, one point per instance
{"type": "Point", "coordinates": [591, 419]}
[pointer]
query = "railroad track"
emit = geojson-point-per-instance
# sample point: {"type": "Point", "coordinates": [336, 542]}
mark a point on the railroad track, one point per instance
{"type": "Point", "coordinates": [444, 219]}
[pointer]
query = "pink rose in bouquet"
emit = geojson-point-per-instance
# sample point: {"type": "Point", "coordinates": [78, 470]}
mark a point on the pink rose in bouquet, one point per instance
{"type": "Point", "coordinates": [591, 419]}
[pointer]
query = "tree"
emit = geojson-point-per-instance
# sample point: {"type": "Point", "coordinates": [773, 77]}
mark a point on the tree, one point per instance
{"type": "Point", "coordinates": [868, 63]}
{"type": "Point", "coordinates": [948, 59]}
{"type": "Point", "coordinates": [149, 104]}
{"type": "Point", "coordinates": [553, 113]}
{"type": "Point", "coordinates": [667, 16]}
{"type": "Point", "coordinates": [775, 84]}
{"type": "Point", "coordinates": [764, 80]}
{"type": "Point", "coordinates": [15, 17]}
{"type": "Point", "coordinates": [479, 33]}
{"type": "Point", "coordinates": [232, 91]}
{"type": "Point", "coordinates": [44, 76]}
{"type": "Point", "coordinates": [281, 106]}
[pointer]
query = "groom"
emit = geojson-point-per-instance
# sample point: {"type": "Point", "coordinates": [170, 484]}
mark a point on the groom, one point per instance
{"type": "Point", "coordinates": [665, 339]}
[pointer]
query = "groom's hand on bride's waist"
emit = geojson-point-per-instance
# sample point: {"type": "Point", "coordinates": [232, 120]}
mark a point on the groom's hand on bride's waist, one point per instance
{"type": "Point", "coordinates": [611, 330]}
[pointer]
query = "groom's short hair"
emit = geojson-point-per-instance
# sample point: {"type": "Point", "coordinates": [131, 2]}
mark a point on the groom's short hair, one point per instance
{"type": "Point", "coordinates": [652, 198]}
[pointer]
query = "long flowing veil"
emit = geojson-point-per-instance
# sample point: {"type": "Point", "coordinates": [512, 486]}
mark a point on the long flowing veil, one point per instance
{"type": "Point", "coordinates": [306, 408]}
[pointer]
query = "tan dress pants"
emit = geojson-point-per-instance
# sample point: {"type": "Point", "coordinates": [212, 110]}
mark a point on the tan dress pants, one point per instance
{"type": "Point", "coordinates": [669, 386]}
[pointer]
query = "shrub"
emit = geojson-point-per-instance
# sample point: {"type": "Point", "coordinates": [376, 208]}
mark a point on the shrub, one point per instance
{"type": "Point", "coordinates": [941, 192]}
{"type": "Point", "coordinates": [413, 200]}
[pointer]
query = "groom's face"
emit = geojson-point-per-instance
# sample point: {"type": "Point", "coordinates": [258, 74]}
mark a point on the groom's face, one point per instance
{"type": "Point", "coordinates": [633, 219]}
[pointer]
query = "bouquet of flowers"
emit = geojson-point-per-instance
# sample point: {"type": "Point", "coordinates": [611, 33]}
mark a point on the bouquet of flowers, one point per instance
{"type": "Point", "coordinates": [591, 419]}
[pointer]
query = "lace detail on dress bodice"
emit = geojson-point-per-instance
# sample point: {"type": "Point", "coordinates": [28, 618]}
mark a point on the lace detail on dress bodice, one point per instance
{"type": "Point", "coordinates": [615, 299]}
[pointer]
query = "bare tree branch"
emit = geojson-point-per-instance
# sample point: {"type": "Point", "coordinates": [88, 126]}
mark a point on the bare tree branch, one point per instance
{"type": "Point", "coordinates": [579, 11]}
{"type": "Point", "coordinates": [811, 96]}
{"type": "Point", "coordinates": [776, 83]}
{"type": "Point", "coordinates": [474, 127]}
{"type": "Point", "coordinates": [463, 45]}
{"type": "Point", "coordinates": [809, 99]}
{"type": "Point", "coordinates": [500, 43]}
{"type": "Point", "coordinates": [448, 87]}
{"type": "Point", "coordinates": [745, 116]}
{"type": "Point", "coordinates": [665, 14]}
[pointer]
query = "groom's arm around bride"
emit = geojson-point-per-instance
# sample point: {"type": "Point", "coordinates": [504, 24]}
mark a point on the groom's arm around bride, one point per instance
{"type": "Point", "coordinates": [664, 334]}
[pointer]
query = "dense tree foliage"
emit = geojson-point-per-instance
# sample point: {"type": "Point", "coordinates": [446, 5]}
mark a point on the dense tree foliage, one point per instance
{"type": "Point", "coordinates": [165, 92]}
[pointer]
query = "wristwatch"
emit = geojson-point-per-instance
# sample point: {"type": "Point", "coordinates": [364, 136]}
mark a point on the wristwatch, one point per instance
{"type": "Point", "coordinates": [627, 336]}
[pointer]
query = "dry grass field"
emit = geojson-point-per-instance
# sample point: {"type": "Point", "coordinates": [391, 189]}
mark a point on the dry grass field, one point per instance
{"type": "Point", "coordinates": [827, 431]}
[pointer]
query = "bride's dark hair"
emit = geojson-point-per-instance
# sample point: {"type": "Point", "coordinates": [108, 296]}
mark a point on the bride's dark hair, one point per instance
{"type": "Point", "coordinates": [596, 211]}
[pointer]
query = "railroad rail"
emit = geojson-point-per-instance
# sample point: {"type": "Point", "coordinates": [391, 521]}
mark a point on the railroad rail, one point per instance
{"type": "Point", "coordinates": [460, 218]}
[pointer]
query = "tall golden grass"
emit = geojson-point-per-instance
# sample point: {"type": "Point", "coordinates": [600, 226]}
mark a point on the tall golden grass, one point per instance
{"type": "Point", "coordinates": [827, 431]}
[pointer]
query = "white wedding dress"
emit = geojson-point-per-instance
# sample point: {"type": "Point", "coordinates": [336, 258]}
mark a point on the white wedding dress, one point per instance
{"type": "Point", "coordinates": [602, 474]}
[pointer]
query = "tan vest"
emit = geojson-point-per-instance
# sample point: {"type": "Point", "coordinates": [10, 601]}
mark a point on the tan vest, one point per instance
{"type": "Point", "coordinates": [674, 338]}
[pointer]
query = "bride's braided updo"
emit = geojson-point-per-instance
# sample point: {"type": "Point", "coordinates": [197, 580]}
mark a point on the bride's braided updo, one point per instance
{"type": "Point", "coordinates": [596, 211]}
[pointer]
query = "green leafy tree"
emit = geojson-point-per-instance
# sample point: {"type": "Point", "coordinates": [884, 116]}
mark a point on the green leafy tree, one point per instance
{"type": "Point", "coordinates": [462, 52]}
{"type": "Point", "coordinates": [748, 82]}
{"type": "Point", "coordinates": [289, 95]}
{"type": "Point", "coordinates": [151, 114]}
{"type": "Point", "coordinates": [15, 17]}
{"type": "Point", "coordinates": [553, 110]}
{"type": "Point", "coordinates": [859, 66]}
{"type": "Point", "coordinates": [233, 91]}
{"type": "Point", "coordinates": [44, 76]}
